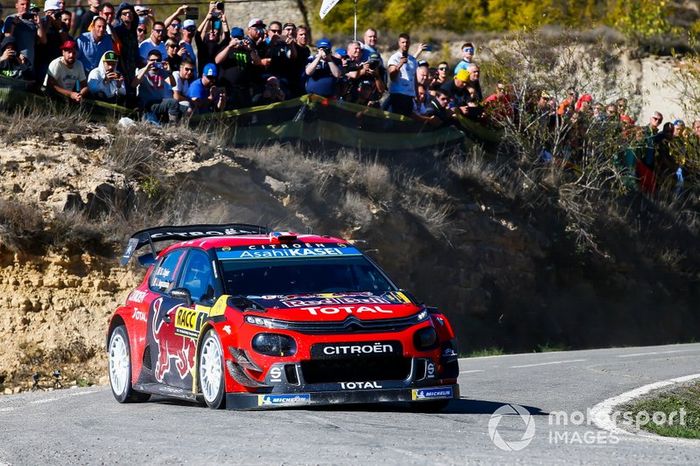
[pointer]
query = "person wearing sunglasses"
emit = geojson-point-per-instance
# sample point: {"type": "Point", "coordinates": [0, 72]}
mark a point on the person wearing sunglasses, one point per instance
{"type": "Point", "coordinates": [155, 42]}
{"type": "Point", "coordinates": [183, 78]}
{"type": "Point", "coordinates": [467, 57]}
{"type": "Point", "coordinates": [442, 76]}
{"type": "Point", "coordinates": [142, 32]}
{"type": "Point", "coordinates": [127, 46]}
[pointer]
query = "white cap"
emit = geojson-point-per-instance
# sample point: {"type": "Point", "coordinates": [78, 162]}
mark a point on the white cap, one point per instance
{"type": "Point", "coordinates": [52, 5]}
{"type": "Point", "coordinates": [187, 23]}
{"type": "Point", "coordinates": [256, 22]}
{"type": "Point", "coordinates": [139, 8]}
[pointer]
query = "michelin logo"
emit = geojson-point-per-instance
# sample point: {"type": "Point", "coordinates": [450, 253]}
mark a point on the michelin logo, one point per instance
{"type": "Point", "coordinates": [431, 393]}
{"type": "Point", "coordinates": [284, 400]}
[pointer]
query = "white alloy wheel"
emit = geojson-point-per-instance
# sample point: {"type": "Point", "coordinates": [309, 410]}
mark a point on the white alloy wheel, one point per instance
{"type": "Point", "coordinates": [211, 378]}
{"type": "Point", "coordinates": [119, 364]}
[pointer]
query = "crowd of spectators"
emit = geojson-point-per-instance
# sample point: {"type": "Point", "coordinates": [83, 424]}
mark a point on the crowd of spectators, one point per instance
{"type": "Point", "coordinates": [172, 67]}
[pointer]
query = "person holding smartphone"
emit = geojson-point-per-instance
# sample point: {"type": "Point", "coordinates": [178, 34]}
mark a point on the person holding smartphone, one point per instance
{"type": "Point", "coordinates": [26, 28]}
{"type": "Point", "coordinates": [154, 83]}
{"type": "Point", "coordinates": [105, 82]}
{"type": "Point", "coordinates": [12, 63]}
{"type": "Point", "coordinates": [402, 77]}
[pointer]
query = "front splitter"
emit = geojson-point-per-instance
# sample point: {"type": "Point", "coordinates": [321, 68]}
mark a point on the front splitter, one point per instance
{"type": "Point", "coordinates": [250, 401]}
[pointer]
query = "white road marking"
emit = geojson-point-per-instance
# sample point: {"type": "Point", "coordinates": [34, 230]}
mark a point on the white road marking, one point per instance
{"type": "Point", "coordinates": [471, 372]}
{"type": "Point", "coordinates": [46, 400]}
{"type": "Point", "coordinates": [653, 353]}
{"type": "Point", "coordinates": [548, 363]}
{"type": "Point", "coordinates": [602, 412]}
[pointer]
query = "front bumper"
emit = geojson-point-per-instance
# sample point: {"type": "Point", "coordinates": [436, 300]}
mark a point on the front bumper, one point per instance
{"type": "Point", "coordinates": [248, 401]}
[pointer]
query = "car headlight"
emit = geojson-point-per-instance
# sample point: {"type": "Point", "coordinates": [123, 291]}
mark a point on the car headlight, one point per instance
{"type": "Point", "coordinates": [274, 344]}
{"type": "Point", "coordinates": [264, 322]}
{"type": "Point", "coordinates": [425, 338]}
{"type": "Point", "coordinates": [260, 321]}
{"type": "Point", "coordinates": [422, 315]}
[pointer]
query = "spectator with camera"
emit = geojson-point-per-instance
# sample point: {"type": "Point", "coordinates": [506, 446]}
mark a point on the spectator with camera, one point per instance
{"type": "Point", "coordinates": [371, 84]}
{"type": "Point", "coordinates": [12, 63]}
{"type": "Point", "coordinates": [236, 64]}
{"type": "Point", "coordinates": [282, 52]}
{"type": "Point", "coordinates": [56, 33]}
{"type": "Point", "coordinates": [322, 72]}
{"type": "Point", "coordinates": [86, 18]}
{"type": "Point", "coordinates": [105, 83]}
{"type": "Point", "coordinates": [92, 45]}
{"type": "Point", "coordinates": [354, 70]}
{"type": "Point", "coordinates": [402, 78]}
{"type": "Point", "coordinates": [26, 28]}
{"type": "Point", "coordinates": [175, 31]}
{"type": "Point", "coordinates": [204, 94]}
{"type": "Point", "coordinates": [144, 14]}
{"type": "Point", "coordinates": [66, 75]}
{"type": "Point", "coordinates": [210, 39]}
{"type": "Point", "coordinates": [154, 83]}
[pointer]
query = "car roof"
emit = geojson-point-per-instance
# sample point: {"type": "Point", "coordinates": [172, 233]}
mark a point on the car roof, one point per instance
{"type": "Point", "coordinates": [216, 242]}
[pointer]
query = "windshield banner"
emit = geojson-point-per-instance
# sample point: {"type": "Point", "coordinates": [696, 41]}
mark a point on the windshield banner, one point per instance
{"type": "Point", "coordinates": [291, 253]}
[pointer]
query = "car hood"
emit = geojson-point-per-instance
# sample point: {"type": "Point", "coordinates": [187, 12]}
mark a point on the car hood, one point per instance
{"type": "Point", "coordinates": [337, 306]}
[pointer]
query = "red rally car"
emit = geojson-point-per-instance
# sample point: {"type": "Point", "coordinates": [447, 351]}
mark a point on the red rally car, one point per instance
{"type": "Point", "coordinates": [243, 318]}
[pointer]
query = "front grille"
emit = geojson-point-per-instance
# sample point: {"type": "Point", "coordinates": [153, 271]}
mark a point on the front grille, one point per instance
{"type": "Point", "coordinates": [352, 325]}
{"type": "Point", "coordinates": [356, 369]}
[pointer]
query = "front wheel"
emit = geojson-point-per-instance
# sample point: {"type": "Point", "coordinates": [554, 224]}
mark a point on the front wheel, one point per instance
{"type": "Point", "coordinates": [120, 368]}
{"type": "Point", "coordinates": [211, 371]}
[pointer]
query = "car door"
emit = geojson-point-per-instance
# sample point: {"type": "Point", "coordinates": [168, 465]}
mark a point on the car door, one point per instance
{"type": "Point", "coordinates": [166, 356]}
{"type": "Point", "coordinates": [186, 318]}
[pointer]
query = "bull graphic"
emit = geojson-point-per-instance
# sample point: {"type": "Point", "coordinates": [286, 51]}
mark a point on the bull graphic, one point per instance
{"type": "Point", "coordinates": [170, 346]}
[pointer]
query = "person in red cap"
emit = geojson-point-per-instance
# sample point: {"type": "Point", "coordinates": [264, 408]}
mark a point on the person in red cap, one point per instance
{"type": "Point", "coordinates": [66, 76]}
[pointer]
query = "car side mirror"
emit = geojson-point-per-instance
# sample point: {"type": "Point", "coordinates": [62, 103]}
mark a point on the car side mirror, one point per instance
{"type": "Point", "coordinates": [183, 294]}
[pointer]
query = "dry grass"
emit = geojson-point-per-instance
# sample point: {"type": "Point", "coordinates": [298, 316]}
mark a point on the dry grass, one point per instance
{"type": "Point", "coordinates": [42, 121]}
{"type": "Point", "coordinates": [21, 225]}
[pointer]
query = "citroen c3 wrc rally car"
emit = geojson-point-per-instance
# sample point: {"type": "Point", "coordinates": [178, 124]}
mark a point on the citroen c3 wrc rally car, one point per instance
{"type": "Point", "coordinates": [243, 318]}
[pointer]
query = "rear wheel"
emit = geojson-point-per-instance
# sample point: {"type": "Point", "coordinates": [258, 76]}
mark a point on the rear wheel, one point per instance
{"type": "Point", "coordinates": [120, 368]}
{"type": "Point", "coordinates": [211, 371]}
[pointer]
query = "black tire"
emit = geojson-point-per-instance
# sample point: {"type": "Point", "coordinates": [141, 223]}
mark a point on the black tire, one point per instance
{"type": "Point", "coordinates": [119, 368]}
{"type": "Point", "coordinates": [210, 371]}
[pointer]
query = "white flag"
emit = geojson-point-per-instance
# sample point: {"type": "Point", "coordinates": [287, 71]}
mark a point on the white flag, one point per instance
{"type": "Point", "coordinates": [327, 6]}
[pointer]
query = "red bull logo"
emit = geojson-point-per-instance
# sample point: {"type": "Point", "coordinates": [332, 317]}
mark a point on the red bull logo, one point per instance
{"type": "Point", "coordinates": [170, 345]}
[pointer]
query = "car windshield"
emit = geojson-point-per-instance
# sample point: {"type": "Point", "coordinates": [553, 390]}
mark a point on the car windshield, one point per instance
{"type": "Point", "coordinates": [281, 277]}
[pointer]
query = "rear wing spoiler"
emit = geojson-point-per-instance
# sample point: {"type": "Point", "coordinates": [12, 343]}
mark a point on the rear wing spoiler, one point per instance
{"type": "Point", "coordinates": [150, 236]}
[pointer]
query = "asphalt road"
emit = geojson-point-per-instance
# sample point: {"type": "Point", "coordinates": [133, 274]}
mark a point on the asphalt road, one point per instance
{"type": "Point", "coordinates": [87, 426]}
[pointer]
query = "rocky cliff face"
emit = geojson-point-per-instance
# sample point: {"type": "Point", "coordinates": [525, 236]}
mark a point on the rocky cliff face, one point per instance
{"type": "Point", "coordinates": [508, 275]}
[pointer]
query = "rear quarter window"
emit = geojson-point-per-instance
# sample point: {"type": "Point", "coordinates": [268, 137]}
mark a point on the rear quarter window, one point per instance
{"type": "Point", "coordinates": [164, 273]}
